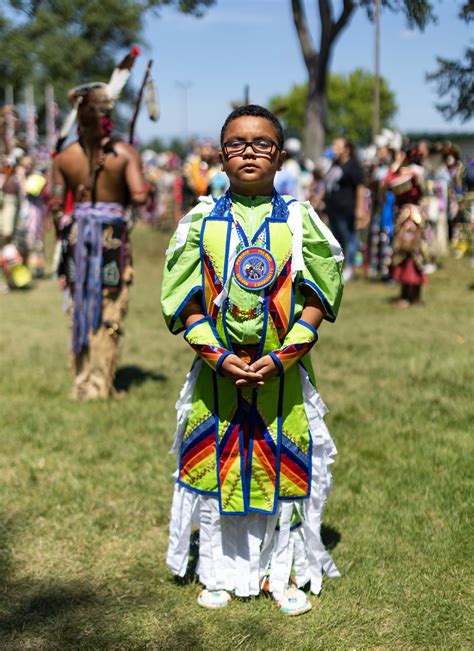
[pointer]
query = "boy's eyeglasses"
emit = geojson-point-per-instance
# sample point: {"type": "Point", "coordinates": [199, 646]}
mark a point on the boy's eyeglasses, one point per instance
{"type": "Point", "coordinates": [259, 146]}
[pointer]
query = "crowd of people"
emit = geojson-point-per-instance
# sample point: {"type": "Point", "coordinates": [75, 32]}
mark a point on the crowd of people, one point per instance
{"type": "Point", "coordinates": [24, 218]}
{"type": "Point", "coordinates": [359, 194]}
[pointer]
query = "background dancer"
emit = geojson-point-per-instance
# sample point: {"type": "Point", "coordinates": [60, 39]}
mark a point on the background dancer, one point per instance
{"type": "Point", "coordinates": [104, 176]}
{"type": "Point", "coordinates": [345, 197]}
{"type": "Point", "coordinates": [254, 451]}
{"type": "Point", "coordinates": [404, 179]}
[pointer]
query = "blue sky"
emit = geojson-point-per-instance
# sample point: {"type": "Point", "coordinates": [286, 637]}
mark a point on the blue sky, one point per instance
{"type": "Point", "coordinates": [254, 42]}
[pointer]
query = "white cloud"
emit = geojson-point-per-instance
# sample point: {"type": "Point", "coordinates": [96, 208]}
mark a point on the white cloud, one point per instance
{"type": "Point", "coordinates": [234, 18]}
{"type": "Point", "coordinates": [218, 16]}
{"type": "Point", "coordinates": [409, 33]}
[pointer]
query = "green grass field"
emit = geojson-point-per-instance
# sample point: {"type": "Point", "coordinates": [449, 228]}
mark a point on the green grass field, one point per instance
{"type": "Point", "coordinates": [85, 489]}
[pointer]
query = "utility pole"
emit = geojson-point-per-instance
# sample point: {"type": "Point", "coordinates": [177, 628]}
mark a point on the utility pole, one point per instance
{"type": "Point", "coordinates": [10, 119]}
{"type": "Point", "coordinates": [51, 132]}
{"type": "Point", "coordinates": [31, 118]}
{"type": "Point", "coordinates": [9, 97]}
{"type": "Point", "coordinates": [184, 86]}
{"type": "Point", "coordinates": [376, 120]}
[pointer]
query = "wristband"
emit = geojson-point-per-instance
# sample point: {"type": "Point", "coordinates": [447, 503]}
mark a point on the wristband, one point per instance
{"type": "Point", "coordinates": [299, 341]}
{"type": "Point", "coordinates": [202, 337]}
{"type": "Point", "coordinates": [59, 191]}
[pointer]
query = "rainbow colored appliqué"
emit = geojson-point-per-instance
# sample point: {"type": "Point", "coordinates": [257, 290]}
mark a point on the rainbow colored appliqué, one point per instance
{"type": "Point", "coordinates": [248, 466]}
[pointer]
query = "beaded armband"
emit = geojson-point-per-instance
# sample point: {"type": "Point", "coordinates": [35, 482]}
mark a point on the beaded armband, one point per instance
{"type": "Point", "coordinates": [300, 339]}
{"type": "Point", "coordinates": [202, 337]}
{"type": "Point", "coordinates": [59, 191]}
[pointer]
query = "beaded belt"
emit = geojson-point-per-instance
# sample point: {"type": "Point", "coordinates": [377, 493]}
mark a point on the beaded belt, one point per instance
{"type": "Point", "coordinates": [244, 313]}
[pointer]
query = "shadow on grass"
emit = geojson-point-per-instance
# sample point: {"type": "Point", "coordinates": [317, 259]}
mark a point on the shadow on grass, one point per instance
{"type": "Point", "coordinates": [65, 615]}
{"type": "Point", "coordinates": [62, 615]}
{"type": "Point", "coordinates": [28, 606]}
{"type": "Point", "coordinates": [33, 606]}
{"type": "Point", "coordinates": [128, 376]}
{"type": "Point", "coordinates": [330, 537]}
{"type": "Point", "coordinates": [50, 612]}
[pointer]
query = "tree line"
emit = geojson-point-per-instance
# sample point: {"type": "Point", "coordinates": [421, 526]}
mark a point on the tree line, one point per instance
{"type": "Point", "coordinates": [64, 41]}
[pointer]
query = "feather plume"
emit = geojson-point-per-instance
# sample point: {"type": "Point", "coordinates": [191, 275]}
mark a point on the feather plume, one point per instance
{"type": "Point", "coordinates": [151, 100]}
{"type": "Point", "coordinates": [70, 120]}
{"type": "Point", "coordinates": [121, 74]}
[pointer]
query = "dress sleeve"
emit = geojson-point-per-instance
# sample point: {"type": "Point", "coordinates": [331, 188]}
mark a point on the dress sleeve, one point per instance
{"type": "Point", "coordinates": [182, 273]}
{"type": "Point", "coordinates": [323, 262]}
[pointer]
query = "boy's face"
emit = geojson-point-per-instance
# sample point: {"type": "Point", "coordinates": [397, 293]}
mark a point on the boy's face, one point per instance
{"type": "Point", "coordinates": [251, 169]}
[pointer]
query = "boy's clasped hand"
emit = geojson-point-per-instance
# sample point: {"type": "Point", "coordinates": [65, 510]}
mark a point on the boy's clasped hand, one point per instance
{"type": "Point", "coordinates": [251, 376]}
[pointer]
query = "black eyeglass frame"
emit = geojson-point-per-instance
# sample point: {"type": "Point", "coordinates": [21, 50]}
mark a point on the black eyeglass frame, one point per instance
{"type": "Point", "coordinates": [251, 143]}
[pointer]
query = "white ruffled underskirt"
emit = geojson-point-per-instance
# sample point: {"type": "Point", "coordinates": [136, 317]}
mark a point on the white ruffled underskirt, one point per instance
{"type": "Point", "coordinates": [236, 552]}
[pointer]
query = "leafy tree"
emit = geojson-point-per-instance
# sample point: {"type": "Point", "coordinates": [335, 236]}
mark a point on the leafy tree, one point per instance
{"type": "Point", "coordinates": [417, 12]}
{"type": "Point", "coordinates": [455, 78]}
{"type": "Point", "coordinates": [179, 147]}
{"type": "Point", "coordinates": [176, 145]}
{"type": "Point", "coordinates": [155, 144]}
{"type": "Point", "coordinates": [67, 42]}
{"type": "Point", "coordinates": [349, 106]}
{"type": "Point", "coordinates": [291, 108]}
{"type": "Point", "coordinates": [350, 101]}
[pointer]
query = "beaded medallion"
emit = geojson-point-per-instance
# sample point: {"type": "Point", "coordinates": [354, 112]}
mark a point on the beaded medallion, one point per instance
{"type": "Point", "coordinates": [254, 268]}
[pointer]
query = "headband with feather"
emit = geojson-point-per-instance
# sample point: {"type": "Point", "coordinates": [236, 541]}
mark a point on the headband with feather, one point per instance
{"type": "Point", "coordinates": [113, 88]}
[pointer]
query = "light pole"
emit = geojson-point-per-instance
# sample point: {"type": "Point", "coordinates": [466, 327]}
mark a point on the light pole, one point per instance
{"type": "Point", "coordinates": [184, 86]}
{"type": "Point", "coordinates": [376, 121]}
{"type": "Point", "coordinates": [9, 97]}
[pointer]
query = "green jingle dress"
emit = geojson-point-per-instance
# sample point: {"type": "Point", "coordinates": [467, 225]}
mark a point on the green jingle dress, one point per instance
{"type": "Point", "coordinates": [253, 465]}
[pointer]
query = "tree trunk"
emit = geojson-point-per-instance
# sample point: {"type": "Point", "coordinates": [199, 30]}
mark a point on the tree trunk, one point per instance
{"type": "Point", "coordinates": [315, 125]}
{"type": "Point", "coordinates": [317, 64]}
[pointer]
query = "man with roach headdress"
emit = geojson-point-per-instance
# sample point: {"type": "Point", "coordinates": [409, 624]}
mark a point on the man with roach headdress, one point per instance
{"type": "Point", "coordinates": [102, 177]}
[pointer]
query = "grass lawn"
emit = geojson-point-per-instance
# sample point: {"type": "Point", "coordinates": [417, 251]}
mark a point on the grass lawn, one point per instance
{"type": "Point", "coordinates": [85, 489]}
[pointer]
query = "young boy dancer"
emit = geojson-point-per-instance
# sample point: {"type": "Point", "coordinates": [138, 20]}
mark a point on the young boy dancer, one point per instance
{"type": "Point", "coordinates": [249, 278]}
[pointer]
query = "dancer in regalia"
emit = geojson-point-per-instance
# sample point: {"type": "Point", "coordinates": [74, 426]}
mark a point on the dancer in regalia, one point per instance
{"type": "Point", "coordinates": [404, 179]}
{"type": "Point", "coordinates": [249, 278]}
{"type": "Point", "coordinates": [104, 175]}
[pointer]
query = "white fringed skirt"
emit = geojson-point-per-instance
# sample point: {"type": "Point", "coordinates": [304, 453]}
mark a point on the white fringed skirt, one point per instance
{"type": "Point", "coordinates": [237, 552]}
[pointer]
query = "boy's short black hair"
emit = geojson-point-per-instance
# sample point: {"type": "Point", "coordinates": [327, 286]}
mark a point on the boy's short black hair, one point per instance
{"type": "Point", "coordinates": [256, 111]}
